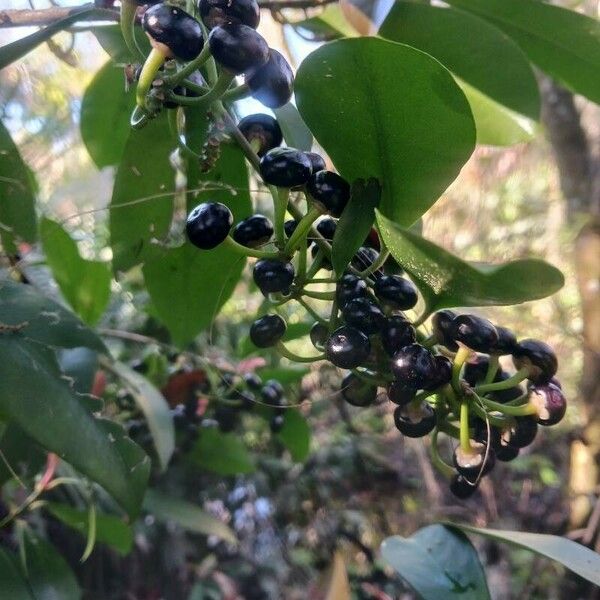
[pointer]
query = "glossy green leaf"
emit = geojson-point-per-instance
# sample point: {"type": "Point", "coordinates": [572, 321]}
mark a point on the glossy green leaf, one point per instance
{"type": "Point", "coordinates": [49, 411]}
{"type": "Point", "coordinates": [80, 365]}
{"type": "Point", "coordinates": [294, 129]}
{"type": "Point", "coordinates": [445, 280]}
{"type": "Point", "coordinates": [142, 201]}
{"type": "Point", "coordinates": [84, 283]}
{"type": "Point", "coordinates": [112, 42]}
{"type": "Point", "coordinates": [187, 515]}
{"type": "Point", "coordinates": [12, 583]}
{"type": "Point", "coordinates": [385, 110]}
{"type": "Point", "coordinates": [188, 286]}
{"type": "Point", "coordinates": [574, 556]}
{"type": "Point", "coordinates": [43, 319]}
{"type": "Point", "coordinates": [109, 529]}
{"type": "Point", "coordinates": [223, 453]}
{"type": "Point", "coordinates": [9, 53]}
{"type": "Point", "coordinates": [21, 455]}
{"type": "Point", "coordinates": [155, 409]}
{"type": "Point", "coordinates": [562, 42]}
{"type": "Point", "coordinates": [48, 574]}
{"type": "Point", "coordinates": [438, 562]}
{"type": "Point", "coordinates": [329, 24]}
{"type": "Point", "coordinates": [295, 435]}
{"type": "Point", "coordinates": [499, 81]}
{"type": "Point", "coordinates": [355, 223]}
{"type": "Point", "coordinates": [105, 111]}
{"type": "Point", "coordinates": [17, 195]}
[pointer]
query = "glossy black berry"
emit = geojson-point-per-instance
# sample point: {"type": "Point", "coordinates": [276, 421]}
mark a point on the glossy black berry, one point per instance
{"type": "Point", "coordinates": [317, 162]}
{"type": "Point", "coordinates": [507, 395]}
{"type": "Point", "coordinates": [319, 333]}
{"type": "Point", "coordinates": [253, 381]}
{"type": "Point", "coordinates": [325, 262]}
{"type": "Point", "coordinates": [285, 167]}
{"type": "Point", "coordinates": [267, 331]}
{"type": "Point", "coordinates": [364, 258]}
{"type": "Point", "coordinates": [347, 347]}
{"type": "Point", "coordinates": [462, 488]}
{"type": "Point", "coordinates": [550, 403]}
{"type": "Point", "coordinates": [262, 132]}
{"type": "Point", "coordinates": [363, 314]}
{"type": "Point", "coordinates": [326, 227]}
{"type": "Point", "coordinates": [538, 357]}
{"type": "Point", "coordinates": [507, 341]}
{"type": "Point", "coordinates": [506, 452]}
{"type": "Point", "coordinates": [253, 231]}
{"type": "Point", "coordinates": [272, 83]}
{"type": "Point", "coordinates": [441, 324]}
{"type": "Point", "coordinates": [272, 393]}
{"type": "Point", "coordinates": [476, 369]}
{"type": "Point", "coordinates": [400, 394]}
{"type": "Point", "coordinates": [396, 292]}
{"type": "Point", "coordinates": [276, 423]}
{"type": "Point", "coordinates": [443, 373]}
{"type": "Point", "coordinates": [273, 276]}
{"type": "Point", "coordinates": [349, 287]}
{"type": "Point", "coordinates": [330, 191]}
{"type": "Point", "coordinates": [476, 463]}
{"type": "Point", "coordinates": [238, 48]}
{"type": "Point", "coordinates": [173, 31]}
{"type": "Point", "coordinates": [289, 227]}
{"type": "Point", "coordinates": [414, 421]}
{"type": "Point", "coordinates": [474, 332]}
{"type": "Point", "coordinates": [397, 333]}
{"type": "Point", "coordinates": [357, 392]}
{"type": "Point", "coordinates": [208, 225]}
{"type": "Point", "coordinates": [414, 366]}
{"type": "Point", "coordinates": [522, 432]}
{"type": "Point", "coordinates": [220, 12]}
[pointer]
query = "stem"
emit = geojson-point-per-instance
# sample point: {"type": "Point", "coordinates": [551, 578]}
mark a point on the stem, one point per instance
{"type": "Point", "coordinates": [459, 360]}
{"type": "Point", "coordinates": [333, 315]}
{"type": "Point", "coordinates": [493, 364]}
{"type": "Point", "coordinates": [383, 256]}
{"type": "Point", "coordinates": [311, 311]}
{"type": "Point", "coordinates": [294, 357]}
{"type": "Point", "coordinates": [194, 87]}
{"type": "Point", "coordinates": [280, 204]}
{"type": "Point", "coordinates": [301, 270]}
{"type": "Point", "coordinates": [483, 414]}
{"type": "Point", "coordinates": [379, 379]}
{"type": "Point", "coordinates": [449, 394]}
{"type": "Point", "coordinates": [128, 12]}
{"type": "Point", "coordinates": [302, 230]}
{"type": "Point", "coordinates": [315, 265]}
{"type": "Point", "coordinates": [514, 411]}
{"type": "Point", "coordinates": [319, 295]}
{"type": "Point", "coordinates": [193, 65]}
{"type": "Point", "coordinates": [445, 469]}
{"type": "Point", "coordinates": [233, 245]}
{"type": "Point", "coordinates": [238, 136]}
{"type": "Point", "coordinates": [519, 376]}
{"type": "Point", "coordinates": [139, 118]}
{"type": "Point", "coordinates": [237, 93]}
{"type": "Point", "coordinates": [215, 93]}
{"type": "Point", "coordinates": [153, 63]}
{"type": "Point", "coordinates": [465, 436]}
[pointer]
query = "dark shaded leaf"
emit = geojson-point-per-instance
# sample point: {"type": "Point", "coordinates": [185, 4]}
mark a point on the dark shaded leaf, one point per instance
{"type": "Point", "coordinates": [223, 453]}
{"type": "Point", "coordinates": [295, 435]}
{"type": "Point", "coordinates": [12, 583]}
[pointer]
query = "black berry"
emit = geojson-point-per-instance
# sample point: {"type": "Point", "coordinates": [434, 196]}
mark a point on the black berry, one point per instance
{"type": "Point", "coordinates": [347, 347]}
{"type": "Point", "coordinates": [507, 341]}
{"type": "Point", "coordinates": [397, 333]}
{"type": "Point", "coordinates": [262, 132]}
{"type": "Point", "coordinates": [363, 314]}
{"type": "Point", "coordinates": [208, 225]}
{"type": "Point", "coordinates": [474, 332]}
{"type": "Point", "coordinates": [396, 292]}
{"type": "Point", "coordinates": [364, 258]}
{"type": "Point", "coordinates": [443, 373]}
{"type": "Point", "coordinates": [349, 287]}
{"type": "Point", "coordinates": [253, 381]}
{"type": "Point", "coordinates": [522, 432]}
{"type": "Point", "coordinates": [276, 423]}
{"type": "Point", "coordinates": [550, 403]}
{"type": "Point", "coordinates": [414, 366]}
{"type": "Point", "coordinates": [289, 227]}
{"type": "Point", "coordinates": [317, 162]}
{"type": "Point", "coordinates": [357, 392]}
{"type": "Point", "coordinates": [273, 83]}
{"type": "Point", "coordinates": [506, 452]}
{"type": "Point", "coordinates": [319, 333]}
{"type": "Point", "coordinates": [414, 421]}
{"type": "Point", "coordinates": [273, 276]}
{"type": "Point", "coordinates": [220, 12]}
{"type": "Point", "coordinates": [267, 331]}
{"type": "Point", "coordinates": [326, 227]}
{"type": "Point", "coordinates": [441, 324]}
{"type": "Point", "coordinates": [330, 191]}
{"type": "Point", "coordinates": [538, 357]}
{"type": "Point", "coordinates": [272, 393]}
{"type": "Point", "coordinates": [478, 462]}
{"type": "Point", "coordinates": [238, 48]}
{"type": "Point", "coordinates": [253, 231]}
{"type": "Point", "coordinates": [400, 394]}
{"type": "Point", "coordinates": [462, 488]}
{"type": "Point", "coordinates": [285, 167]}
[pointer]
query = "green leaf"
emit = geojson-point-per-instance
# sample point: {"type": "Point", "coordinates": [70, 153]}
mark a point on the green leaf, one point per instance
{"type": "Point", "coordinates": [49, 411]}
{"type": "Point", "coordinates": [109, 529]}
{"type": "Point", "coordinates": [223, 453]}
{"type": "Point", "coordinates": [498, 79]}
{"type": "Point", "coordinates": [295, 435]}
{"type": "Point", "coordinates": [385, 110]}
{"type": "Point", "coordinates": [9, 53]}
{"type": "Point", "coordinates": [155, 409]}
{"type": "Point", "coordinates": [112, 42]}
{"type": "Point", "coordinates": [438, 562]}
{"type": "Point", "coordinates": [142, 201]}
{"type": "Point", "coordinates": [355, 223]}
{"type": "Point", "coordinates": [105, 111]}
{"type": "Point", "coordinates": [48, 574]}
{"type": "Point", "coordinates": [445, 280]}
{"type": "Point", "coordinates": [187, 515]}
{"type": "Point", "coordinates": [45, 321]}
{"type": "Point", "coordinates": [84, 283]}
{"type": "Point", "coordinates": [12, 584]}
{"type": "Point", "coordinates": [80, 364]}
{"type": "Point", "coordinates": [188, 286]}
{"type": "Point", "coordinates": [21, 453]}
{"type": "Point", "coordinates": [574, 556]}
{"type": "Point", "coordinates": [294, 129]}
{"type": "Point", "coordinates": [17, 195]}
{"type": "Point", "coordinates": [329, 24]}
{"type": "Point", "coordinates": [564, 43]}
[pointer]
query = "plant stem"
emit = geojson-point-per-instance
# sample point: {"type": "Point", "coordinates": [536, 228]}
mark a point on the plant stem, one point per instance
{"type": "Point", "coordinates": [280, 203]}
{"type": "Point", "coordinates": [319, 295]}
{"type": "Point", "coordinates": [519, 376]}
{"type": "Point", "coordinates": [302, 230]}
{"type": "Point", "coordinates": [311, 311]}
{"type": "Point", "coordinates": [445, 469]}
{"type": "Point", "coordinates": [233, 245]}
{"type": "Point", "coordinates": [237, 93]}
{"type": "Point", "coordinates": [127, 19]}
{"type": "Point", "coordinates": [383, 256]}
{"type": "Point", "coordinates": [294, 357]}
{"type": "Point", "coordinates": [465, 436]}
{"type": "Point", "coordinates": [153, 63]}
{"type": "Point", "coordinates": [493, 364]}
{"type": "Point", "coordinates": [514, 411]}
{"type": "Point", "coordinates": [459, 360]}
{"type": "Point", "coordinates": [193, 65]}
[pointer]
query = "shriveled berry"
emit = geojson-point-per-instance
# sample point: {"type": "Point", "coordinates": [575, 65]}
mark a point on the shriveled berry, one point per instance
{"type": "Point", "coordinates": [326, 227]}
{"type": "Point", "coordinates": [550, 403]}
{"type": "Point", "coordinates": [538, 357]}
{"type": "Point", "coordinates": [414, 366]}
{"type": "Point", "coordinates": [238, 48]}
{"type": "Point", "coordinates": [317, 162]}
{"type": "Point", "coordinates": [272, 83]}
{"type": "Point", "coordinates": [267, 331]}
{"type": "Point", "coordinates": [396, 292]}
{"type": "Point", "coordinates": [330, 191]}
{"type": "Point", "coordinates": [285, 167]}
{"type": "Point", "coordinates": [253, 231]}
{"type": "Point", "coordinates": [347, 347]}
{"type": "Point", "coordinates": [400, 394]}
{"type": "Point", "coordinates": [396, 333]}
{"type": "Point", "coordinates": [262, 132]}
{"type": "Point", "coordinates": [462, 488]}
{"type": "Point", "coordinates": [414, 421]}
{"type": "Point", "coordinates": [349, 287]}
{"type": "Point", "coordinates": [363, 314]}
{"type": "Point", "coordinates": [208, 225]}
{"type": "Point", "coordinates": [220, 12]}
{"type": "Point", "coordinates": [474, 332]}
{"type": "Point", "coordinates": [273, 276]}
{"type": "Point", "coordinates": [478, 462]}
{"type": "Point", "coordinates": [357, 392]}
{"type": "Point", "coordinates": [441, 324]}
{"type": "Point", "coordinates": [319, 333]}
